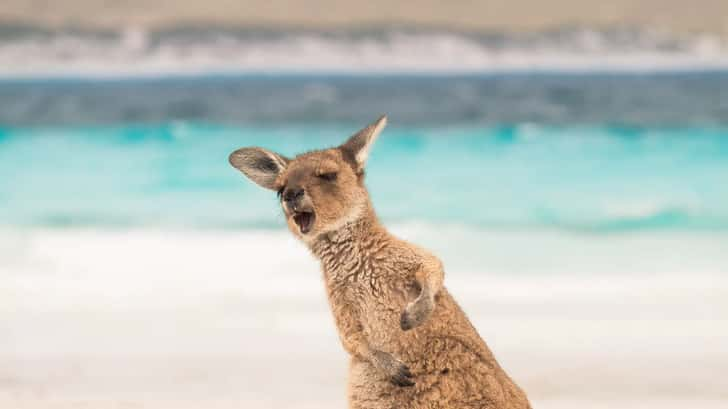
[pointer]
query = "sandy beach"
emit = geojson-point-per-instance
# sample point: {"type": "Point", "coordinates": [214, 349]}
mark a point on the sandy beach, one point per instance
{"type": "Point", "coordinates": [117, 320]}
{"type": "Point", "coordinates": [709, 16]}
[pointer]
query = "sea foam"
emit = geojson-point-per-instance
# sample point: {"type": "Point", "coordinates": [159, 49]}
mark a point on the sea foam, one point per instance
{"type": "Point", "coordinates": [135, 52]}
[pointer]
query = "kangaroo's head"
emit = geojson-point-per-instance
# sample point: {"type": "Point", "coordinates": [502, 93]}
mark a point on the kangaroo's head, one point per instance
{"type": "Point", "coordinates": [319, 191]}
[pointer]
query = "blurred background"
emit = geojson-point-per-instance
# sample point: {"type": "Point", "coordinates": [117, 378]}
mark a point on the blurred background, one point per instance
{"type": "Point", "coordinates": [568, 161]}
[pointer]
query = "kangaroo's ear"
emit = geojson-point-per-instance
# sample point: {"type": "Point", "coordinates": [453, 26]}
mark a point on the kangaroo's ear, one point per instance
{"type": "Point", "coordinates": [360, 143]}
{"type": "Point", "coordinates": [259, 165]}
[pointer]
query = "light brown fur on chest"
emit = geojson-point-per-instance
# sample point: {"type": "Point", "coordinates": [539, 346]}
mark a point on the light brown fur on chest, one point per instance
{"type": "Point", "coordinates": [411, 345]}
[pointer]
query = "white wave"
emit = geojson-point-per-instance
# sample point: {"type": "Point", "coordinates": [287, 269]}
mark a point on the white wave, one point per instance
{"type": "Point", "coordinates": [644, 209]}
{"type": "Point", "coordinates": [137, 53]}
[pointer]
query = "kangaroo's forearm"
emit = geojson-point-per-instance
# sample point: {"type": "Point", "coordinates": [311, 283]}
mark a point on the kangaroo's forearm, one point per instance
{"type": "Point", "coordinates": [430, 277]}
{"type": "Point", "coordinates": [354, 341]}
{"type": "Point", "coordinates": [356, 344]}
{"type": "Point", "coordinates": [351, 331]}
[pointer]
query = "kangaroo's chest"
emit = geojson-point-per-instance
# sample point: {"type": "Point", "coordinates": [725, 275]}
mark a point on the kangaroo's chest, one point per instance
{"type": "Point", "coordinates": [372, 282]}
{"type": "Point", "coordinates": [378, 290]}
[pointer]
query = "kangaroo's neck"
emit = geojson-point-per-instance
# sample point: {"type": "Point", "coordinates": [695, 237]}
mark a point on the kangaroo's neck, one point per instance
{"type": "Point", "coordinates": [343, 252]}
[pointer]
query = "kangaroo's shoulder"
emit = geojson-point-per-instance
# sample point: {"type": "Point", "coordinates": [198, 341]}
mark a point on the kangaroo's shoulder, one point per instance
{"type": "Point", "coordinates": [414, 254]}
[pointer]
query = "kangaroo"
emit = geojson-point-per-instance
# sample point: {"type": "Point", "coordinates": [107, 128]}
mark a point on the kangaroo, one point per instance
{"type": "Point", "coordinates": [411, 345]}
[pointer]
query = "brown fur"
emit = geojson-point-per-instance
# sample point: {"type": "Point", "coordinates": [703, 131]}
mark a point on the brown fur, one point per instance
{"type": "Point", "coordinates": [411, 345]}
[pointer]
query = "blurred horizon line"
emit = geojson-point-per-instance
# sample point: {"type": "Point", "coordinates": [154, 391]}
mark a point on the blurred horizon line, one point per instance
{"type": "Point", "coordinates": [13, 28]}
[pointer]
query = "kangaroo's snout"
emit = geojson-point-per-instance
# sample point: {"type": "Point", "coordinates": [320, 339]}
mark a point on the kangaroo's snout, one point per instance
{"type": "Point", "coordinates": [299, 208]}
{"type": "Point", "coordinates": [293, 197]}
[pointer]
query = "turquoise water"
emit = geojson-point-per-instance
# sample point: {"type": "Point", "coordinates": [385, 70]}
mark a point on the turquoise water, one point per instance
{"type": "Point", "coordinates": [598, 179]}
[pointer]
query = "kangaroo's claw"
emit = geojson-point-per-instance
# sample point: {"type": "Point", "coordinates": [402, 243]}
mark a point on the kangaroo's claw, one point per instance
{"type": "Point", "coordinates": [397, 372]}
{"type": "Point", "coordinates": [403, 377]}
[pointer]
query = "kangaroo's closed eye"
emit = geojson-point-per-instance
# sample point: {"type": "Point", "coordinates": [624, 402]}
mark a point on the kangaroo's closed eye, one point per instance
{"type": "Point", "coordinates": [328, 176]}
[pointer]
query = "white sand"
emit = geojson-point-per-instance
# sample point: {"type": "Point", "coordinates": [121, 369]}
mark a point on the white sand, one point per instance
{"type": "Point", "coordinates": [208, 320]}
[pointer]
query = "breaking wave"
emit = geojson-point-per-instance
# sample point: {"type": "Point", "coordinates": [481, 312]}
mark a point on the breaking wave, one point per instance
{"type": "Point", "coordinates": [33, 52]}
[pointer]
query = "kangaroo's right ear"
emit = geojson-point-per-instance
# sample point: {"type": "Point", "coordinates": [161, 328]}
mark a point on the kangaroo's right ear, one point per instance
{"type": "Point", "coordinates": [259, 165]}
{"type": "Point", "coordinates": [359, 144]}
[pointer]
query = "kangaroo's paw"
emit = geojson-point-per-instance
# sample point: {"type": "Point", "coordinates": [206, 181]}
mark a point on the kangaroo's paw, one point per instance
{"type": "Point", "coordinates": [416, 313]}
{"type": "Point", "coordinates": [397, 372]}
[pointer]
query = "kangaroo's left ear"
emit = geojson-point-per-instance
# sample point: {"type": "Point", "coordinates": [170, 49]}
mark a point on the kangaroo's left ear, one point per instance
{"type": "Point", "coordinates": [359, 144]}
{"type": "Point", "coordinates": [260, 165]}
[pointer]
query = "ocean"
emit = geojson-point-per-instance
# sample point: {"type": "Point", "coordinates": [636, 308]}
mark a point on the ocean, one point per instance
{"type": "Point", "coordinates": [580, 213]}
{"type": "Point", "coordinates": [572, 153]}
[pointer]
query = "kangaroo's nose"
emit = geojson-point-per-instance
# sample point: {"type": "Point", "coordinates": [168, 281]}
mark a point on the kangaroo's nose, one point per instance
{"type": "Point", "coordinates": [290, 195]}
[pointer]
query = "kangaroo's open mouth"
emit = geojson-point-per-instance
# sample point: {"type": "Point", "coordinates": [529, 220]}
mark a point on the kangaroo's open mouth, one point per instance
{"type": "Point", "coordinates": [304, 220]}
